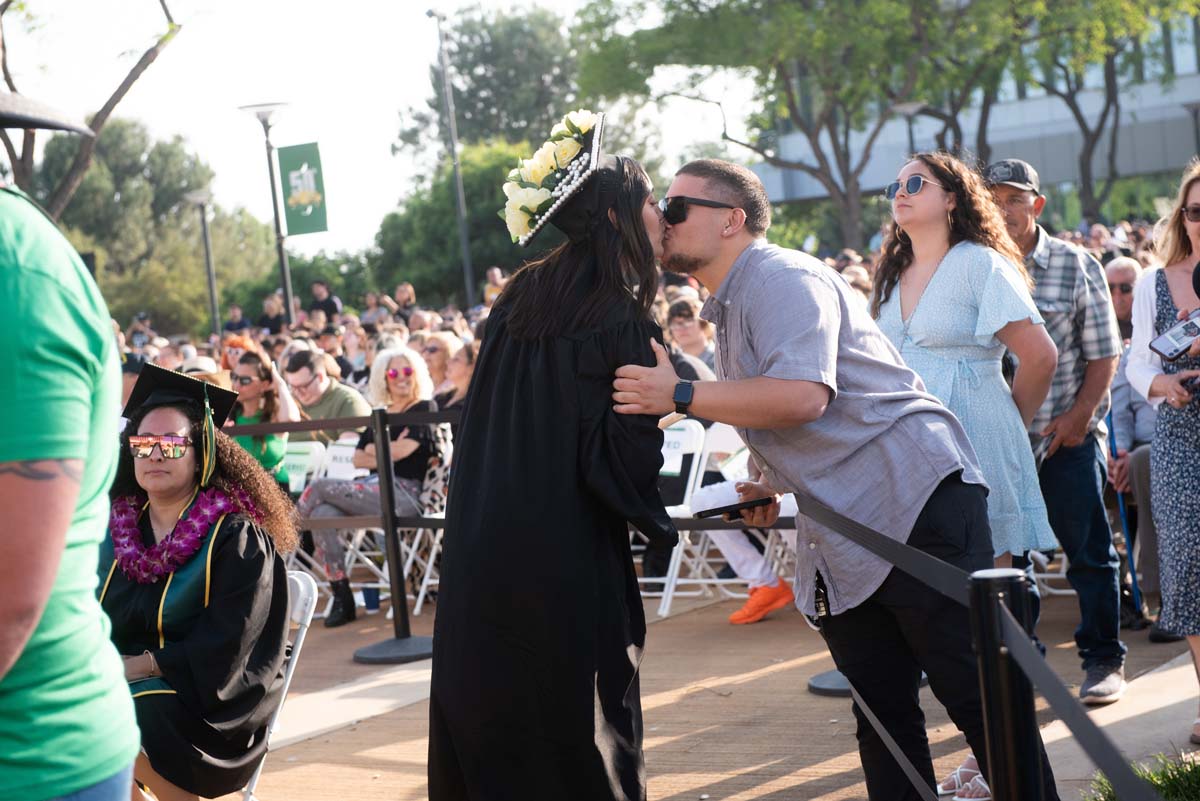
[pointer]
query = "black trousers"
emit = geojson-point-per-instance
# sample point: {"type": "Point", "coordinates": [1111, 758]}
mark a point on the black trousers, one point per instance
{"type": "Point", "coordinates": [883, 644]}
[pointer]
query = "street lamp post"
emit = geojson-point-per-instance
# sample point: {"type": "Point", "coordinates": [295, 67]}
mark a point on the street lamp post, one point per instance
{"type": "Point", "coordinates": [263, 112]}
{"type": "Point", "coordinates": [202, 197]}
{"type": "Point", "coordinates": [1194, 110]}
{"type": "Point", "coordinates": [910, 110]}
{"type": "Point", "coordinates": [452, 128]}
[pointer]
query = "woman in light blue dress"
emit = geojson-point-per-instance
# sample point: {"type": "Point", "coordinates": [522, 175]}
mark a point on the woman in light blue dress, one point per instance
{"type": "Point", "coordinates": [951, 293]}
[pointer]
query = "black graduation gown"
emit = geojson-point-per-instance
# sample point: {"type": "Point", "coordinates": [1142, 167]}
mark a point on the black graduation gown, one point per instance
{"type": "Point", "coordinates": [539, 629]}
{"type": "Point", "coordinates": [204, 722]}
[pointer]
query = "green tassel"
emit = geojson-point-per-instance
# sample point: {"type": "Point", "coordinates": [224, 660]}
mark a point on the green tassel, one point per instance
{"type": "Point", "coordinates": [208, 456]}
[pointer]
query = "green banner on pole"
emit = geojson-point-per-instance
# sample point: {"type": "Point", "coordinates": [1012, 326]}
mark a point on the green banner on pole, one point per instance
{"type": "Point", "coordinates": [303, 189]}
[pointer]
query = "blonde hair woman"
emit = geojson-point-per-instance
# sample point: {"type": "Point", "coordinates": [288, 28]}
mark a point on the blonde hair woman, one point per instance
{"type": "Point", "coordinates": [400, 381]}
{"type": "Point", "coordinates": [1158, 297]}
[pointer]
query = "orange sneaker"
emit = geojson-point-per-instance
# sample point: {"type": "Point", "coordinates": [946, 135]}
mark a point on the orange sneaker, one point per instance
{"type": "Point", "coordinates": [763, 601]}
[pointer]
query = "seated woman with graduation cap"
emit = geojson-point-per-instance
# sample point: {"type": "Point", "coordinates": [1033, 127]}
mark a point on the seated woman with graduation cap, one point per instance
{"type": "Point", "coordinates": [192, 579]}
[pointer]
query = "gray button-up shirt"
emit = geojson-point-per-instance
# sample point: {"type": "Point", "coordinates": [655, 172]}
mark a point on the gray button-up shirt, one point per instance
{"type": "Point", "coordinates": [883, 444]}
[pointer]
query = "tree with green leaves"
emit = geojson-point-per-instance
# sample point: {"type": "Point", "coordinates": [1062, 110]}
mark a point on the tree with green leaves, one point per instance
{"type": "Point", "coordinates": [512, 75]}
{"type": "Point", "coordinates": [130, 211]}
{"type": "Point", "coordinates": [419, 242]}
{"type": "Point", "coordinates": [56, 198]}
{"type": "Point", "coordinates": [831, 72]}
{"type": "Point", "coordinates": [1109, 34]}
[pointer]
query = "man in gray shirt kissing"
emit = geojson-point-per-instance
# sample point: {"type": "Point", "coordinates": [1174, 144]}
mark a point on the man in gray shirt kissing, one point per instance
{"type": "Point", "coordinates": [827, 407]}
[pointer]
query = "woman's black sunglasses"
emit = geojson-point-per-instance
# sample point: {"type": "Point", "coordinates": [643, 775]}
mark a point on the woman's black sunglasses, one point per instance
{"type": "Point", "coordinates": [675, 209]}
{"type": "Point", "coordinates": [1192, 213]}
{"type": "Point", "coordinates": [911, 186]}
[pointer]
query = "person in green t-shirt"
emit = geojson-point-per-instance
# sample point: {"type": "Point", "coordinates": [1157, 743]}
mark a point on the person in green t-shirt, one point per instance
{"type": "Point", "coordinates": [320, 396]}
{"type": "Point", "coordinates": [67, 724]}
{"type": "Point", "coordinates": [263, 397]}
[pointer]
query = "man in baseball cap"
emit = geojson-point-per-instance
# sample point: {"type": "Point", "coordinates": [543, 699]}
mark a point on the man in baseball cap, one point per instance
{"type": "Point", "coordinates": [1071, 294]}
{"type": "Point", "coordinates": [1015, 173]}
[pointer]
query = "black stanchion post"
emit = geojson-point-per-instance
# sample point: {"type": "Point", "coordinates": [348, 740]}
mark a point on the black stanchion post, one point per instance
{"type": "Point", "coordinates": [403, 647]}
{"type": "Point", "coordinates": [1014, 760]}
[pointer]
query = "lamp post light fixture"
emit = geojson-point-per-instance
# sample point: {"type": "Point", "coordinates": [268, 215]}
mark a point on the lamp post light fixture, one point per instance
{"type": "Point", "coordinates": [201, 198]}
{"type": "Point", "coordinates": [1194, 110]}
{"type": "Point", "coordinates": [264, 112]}
{"type": "Point", "coordinates": [910, 109]}
{"type": "Point", "coordinates": [452, 130]}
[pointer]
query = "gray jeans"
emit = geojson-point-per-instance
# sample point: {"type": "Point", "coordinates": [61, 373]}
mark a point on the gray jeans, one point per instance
{"type": "Point", "coordinates": [333, 497]}
{"type": "Point", "coordinates": [1146, 552]}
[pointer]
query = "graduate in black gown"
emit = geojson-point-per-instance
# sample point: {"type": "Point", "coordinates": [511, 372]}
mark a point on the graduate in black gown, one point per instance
{"type": "Point", "coordinates": [192, 579]}
{"type": "Point", "coordinates": [540, 629]}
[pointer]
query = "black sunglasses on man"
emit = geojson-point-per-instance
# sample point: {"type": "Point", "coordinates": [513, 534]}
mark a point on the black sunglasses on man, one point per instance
{"type": "Point", "coordinates": [675, 209]}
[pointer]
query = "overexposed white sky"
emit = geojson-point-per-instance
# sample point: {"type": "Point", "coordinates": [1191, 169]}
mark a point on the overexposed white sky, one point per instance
{"type": "Point", "coordinates": [347, 69]}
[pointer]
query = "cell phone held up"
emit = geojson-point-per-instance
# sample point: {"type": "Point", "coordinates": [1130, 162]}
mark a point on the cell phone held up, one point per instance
{"type": "Point", "coordinates": [1175, 341]}
{"type": "Point", "coordinates": [732, 509]}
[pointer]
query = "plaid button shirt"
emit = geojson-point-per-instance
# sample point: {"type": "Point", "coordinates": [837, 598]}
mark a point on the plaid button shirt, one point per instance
{"type": "Point", "coordinates": [1071, 292]}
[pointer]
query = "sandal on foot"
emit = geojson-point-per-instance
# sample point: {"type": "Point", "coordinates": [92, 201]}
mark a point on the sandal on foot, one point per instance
{"type": "Point", "coordinates": [976, 784]}
{"type": "Point", "coordinates": [957, 780]}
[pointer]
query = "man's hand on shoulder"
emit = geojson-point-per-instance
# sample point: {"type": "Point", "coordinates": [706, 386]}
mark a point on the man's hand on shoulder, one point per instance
{"type": "Point", "coordinates": [646, 390]}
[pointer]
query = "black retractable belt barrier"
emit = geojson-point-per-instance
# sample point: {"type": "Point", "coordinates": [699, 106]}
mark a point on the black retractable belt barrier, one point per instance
{"type": "Point", "coordinates": [404, 647]}
{"type": "Point", "coordinates": [1010, 723]}
{"type": "Point", "coordinates": [1128, 785]}
{"type": "Point", "coordinates": [954, 584]}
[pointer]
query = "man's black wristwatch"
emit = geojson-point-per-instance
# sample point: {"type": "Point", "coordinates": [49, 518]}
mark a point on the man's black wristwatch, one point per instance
{"type": "Point", "coordinates": [683, 396]}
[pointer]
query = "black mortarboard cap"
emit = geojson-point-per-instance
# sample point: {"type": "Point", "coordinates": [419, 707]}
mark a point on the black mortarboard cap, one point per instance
{"type": "Point", "coordinates": [157, 386]}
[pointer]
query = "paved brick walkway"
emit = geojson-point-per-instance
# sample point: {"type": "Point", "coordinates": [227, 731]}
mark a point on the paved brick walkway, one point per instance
{"type": "Point", "coordinates": [726, 714]}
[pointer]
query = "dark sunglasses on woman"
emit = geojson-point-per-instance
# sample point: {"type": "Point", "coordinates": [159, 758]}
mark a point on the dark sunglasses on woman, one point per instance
{"type": "Point", "coordinates": [912, 186]}
{"type": "Point", "coordinates": [675, 209]}
{"type": "Point", "coordinates": [1192, 213]}
{"type": "Point", "coordinates": [170, 445]}
{"type": "Point", "coordinates": [243, 380]}
{"type": "Point", "coordinates": [393, 373]}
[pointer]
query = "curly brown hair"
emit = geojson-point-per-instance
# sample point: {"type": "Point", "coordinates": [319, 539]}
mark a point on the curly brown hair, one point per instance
{"type": "Point", "coordinates": [974, 218]}
{"type": "Point", "coordinates": [235, 468]}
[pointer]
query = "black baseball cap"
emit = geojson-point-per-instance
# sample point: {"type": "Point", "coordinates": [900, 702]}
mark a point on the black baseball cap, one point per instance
{"type": "Point", "coordinates": [1013, 172]}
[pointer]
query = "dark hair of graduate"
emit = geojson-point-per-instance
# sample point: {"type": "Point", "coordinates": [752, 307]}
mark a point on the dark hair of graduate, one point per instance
{"type": "Point", "coordinates": [574, 285]}
{"type": "Point", "coordinates": [235, 468]}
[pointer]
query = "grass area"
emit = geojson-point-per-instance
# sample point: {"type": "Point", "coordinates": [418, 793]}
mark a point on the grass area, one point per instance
{"type": "Point", "coordinates": [1176, 778]}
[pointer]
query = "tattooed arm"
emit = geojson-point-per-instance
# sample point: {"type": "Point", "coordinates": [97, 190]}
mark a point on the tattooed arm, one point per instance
{"type": "Point", "coordinates": [37, 501]}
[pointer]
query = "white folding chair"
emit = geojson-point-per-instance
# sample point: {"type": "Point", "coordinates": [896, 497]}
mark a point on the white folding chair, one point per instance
{"type": "Point", "coordinates": [696, 562]}
{"type": "Point", "coordinates": [303, 461]}
{"type": "Point", "coordinates": [684, 438]}
{"type": "Point", "coordinates": [302, 602]}
{"type": "Point", "coordinates": [1043, 577]}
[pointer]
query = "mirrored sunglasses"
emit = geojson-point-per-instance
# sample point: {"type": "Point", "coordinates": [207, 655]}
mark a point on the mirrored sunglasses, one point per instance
{"type": "Point", "coordinates": [675, 209]}
{"type": "Point", "coordinates": [912, 186]}
{"type": "Point", "coordinates": [171, 446]}
{"type": "Point", "coordinates": [243, 380]}
{"type": "Point", "coordinates": [393, 373]}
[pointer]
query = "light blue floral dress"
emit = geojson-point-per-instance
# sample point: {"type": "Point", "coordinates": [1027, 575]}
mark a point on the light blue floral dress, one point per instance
{"type": "Point", "coordinates": [950, 341]}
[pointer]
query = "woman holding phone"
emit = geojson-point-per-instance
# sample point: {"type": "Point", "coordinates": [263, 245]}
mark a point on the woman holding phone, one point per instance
{"type": "Point", "coordinates": [1158, 298]}
{"type": "Point", "coordinates": [540, 629]}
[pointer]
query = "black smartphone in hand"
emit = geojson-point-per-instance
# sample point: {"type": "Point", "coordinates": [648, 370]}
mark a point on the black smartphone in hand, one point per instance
{"type": "Point", "coordinates": [733, 508]}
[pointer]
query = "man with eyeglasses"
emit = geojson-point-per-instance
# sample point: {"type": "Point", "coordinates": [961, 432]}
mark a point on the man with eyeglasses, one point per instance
{"type": "Point", "coordinates": [827, 407]}
{"type": "Point", "coordinates": [320, 397]}
{"type": "Point", "coordinates": [1068, 431]}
